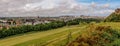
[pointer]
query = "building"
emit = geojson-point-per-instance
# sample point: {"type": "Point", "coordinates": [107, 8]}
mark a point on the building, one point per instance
{"type": "Point", "coordinates": [67, 18]}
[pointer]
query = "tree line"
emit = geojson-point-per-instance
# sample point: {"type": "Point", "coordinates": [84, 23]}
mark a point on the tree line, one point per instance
{"type": "Point", "coordinates": [41, 27]}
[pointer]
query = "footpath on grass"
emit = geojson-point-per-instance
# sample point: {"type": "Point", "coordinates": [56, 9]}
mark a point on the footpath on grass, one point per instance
{"type": "Point", "coordinates": [55, 40]}
{"type": "Point", "coordinates": [10, 41]}
{"type": "Point", "coordinates": [51, 38]}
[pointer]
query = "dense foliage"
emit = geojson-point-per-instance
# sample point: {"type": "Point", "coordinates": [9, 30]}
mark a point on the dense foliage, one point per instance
{"type": "Point", "coordinates": [40, 27]}
{"type": "Point", "coordinates": [114, 17]}
{"type": "Point", "coordinates": [97, 36]}
{"type": "Point", "coordinates": [28, 28]}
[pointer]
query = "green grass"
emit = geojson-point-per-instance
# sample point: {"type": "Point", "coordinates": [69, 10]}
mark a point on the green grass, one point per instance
{"type": "Point", "coordinates": [114, 25]}
{"type": "Point", "coordinates": [63, 42]}
{"type": "Point", "coordinates": [50, 38]}
{"type": "Point", "coordinates": [35, 37]}
{"type": "Point", "coordinates": [89, 34]}
{"type": "Point", "coordinates": [43, 40]}
{"type": "Point", "coordinates": [55, 37]}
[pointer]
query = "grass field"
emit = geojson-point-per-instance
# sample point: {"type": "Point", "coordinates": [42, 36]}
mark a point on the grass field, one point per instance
{"type": "Point", "coordinates": [115, 25]}
{"type": "Point", "coordinates": [55, 37]}
{"type": "Point", "coordinates": [41, 38]}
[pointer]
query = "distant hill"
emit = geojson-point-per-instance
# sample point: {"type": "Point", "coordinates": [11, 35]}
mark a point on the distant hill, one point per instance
{"type": "Point", "coordinates": [114, 17]}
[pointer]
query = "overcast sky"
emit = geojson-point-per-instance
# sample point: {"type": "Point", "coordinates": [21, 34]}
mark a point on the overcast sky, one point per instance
{"type": "Point", "coordinates": [57, 7]}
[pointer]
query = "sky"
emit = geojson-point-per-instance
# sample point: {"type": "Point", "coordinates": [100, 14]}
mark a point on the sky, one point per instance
{"type": "Point", "coordinates": [21, 8]}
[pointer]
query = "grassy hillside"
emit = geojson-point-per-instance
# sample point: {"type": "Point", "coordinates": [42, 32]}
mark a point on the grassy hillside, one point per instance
{"type": "Point", "coordinates": [114, 17]}
{"type": "Point", "coordinates": [102, 34]}
{"type": "Point", "coordinates": [54, 37]}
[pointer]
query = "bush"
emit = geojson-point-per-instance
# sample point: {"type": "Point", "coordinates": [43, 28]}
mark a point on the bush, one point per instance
{"type": "Point", "coordinates": [28, 28]}
{"type": "Point", "coordinates": [98, 36]}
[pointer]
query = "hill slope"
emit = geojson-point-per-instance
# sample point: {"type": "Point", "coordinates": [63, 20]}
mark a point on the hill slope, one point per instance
{"type": "Point", "coordinates": [102, 34]}
{"type": "Point", "coordinates": [114, 17]}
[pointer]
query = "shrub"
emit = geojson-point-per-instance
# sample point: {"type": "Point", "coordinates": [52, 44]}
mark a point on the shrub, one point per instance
{"type": "Point", "coordinates": [98, 36]}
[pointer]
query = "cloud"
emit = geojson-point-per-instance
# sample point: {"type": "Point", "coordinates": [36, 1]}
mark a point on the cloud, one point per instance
{"type": "Point", "coordinates": [52, 7]}
{"type": "Point", "coordinates": [106, 5]}
{"type": "Point", "coordinates": [104, 11]}
{"type": "Point", "coordinates": [43, 5]}
{"type": "Point", "coordinates": [5, 1]}
{"type": "Point", "coordinates": [93, 4]}
{"type": "Point", "coordinates": [51, 4]}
